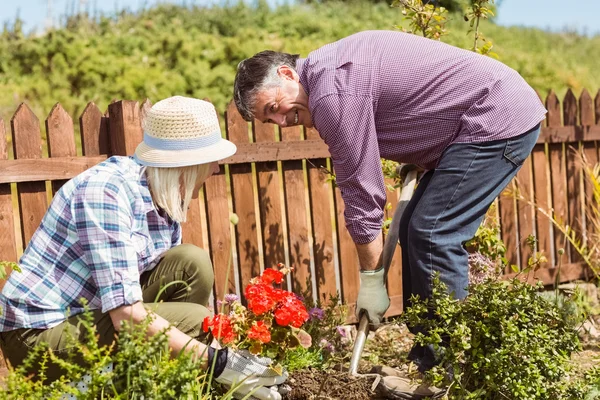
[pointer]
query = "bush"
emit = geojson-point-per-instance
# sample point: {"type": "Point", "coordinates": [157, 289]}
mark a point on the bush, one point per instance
{"type": "Point", "coordinates": [142, 368]}
{"type": "Point", "coordinates": [503, 341]}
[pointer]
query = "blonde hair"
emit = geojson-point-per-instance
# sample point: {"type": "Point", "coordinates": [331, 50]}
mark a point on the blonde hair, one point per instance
{"type": "Point", "coordinates": [172, 188]}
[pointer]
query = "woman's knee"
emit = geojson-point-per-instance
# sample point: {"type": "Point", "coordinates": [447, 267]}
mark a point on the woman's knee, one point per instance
{"type": "Point", "coordinates": [195, 261]}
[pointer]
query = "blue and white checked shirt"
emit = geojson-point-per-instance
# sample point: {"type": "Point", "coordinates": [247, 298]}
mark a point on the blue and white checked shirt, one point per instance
{"type": "Point", "coordinates": [100, 233]}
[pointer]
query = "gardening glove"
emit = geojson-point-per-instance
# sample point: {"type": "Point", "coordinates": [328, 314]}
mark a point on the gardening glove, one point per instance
{"type": "Point", "coordinates": [373, 297]}
{"type": "Point", "coordinates": [246, 373]}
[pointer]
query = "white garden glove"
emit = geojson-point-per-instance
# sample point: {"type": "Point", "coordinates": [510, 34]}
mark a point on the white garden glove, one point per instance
{"type": "Point", "coordinates": [247, 372]}
{"type": "Point", "coordinates": [373, 297]}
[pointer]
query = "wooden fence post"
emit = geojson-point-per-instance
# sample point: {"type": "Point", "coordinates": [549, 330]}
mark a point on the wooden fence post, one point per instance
{"type": "Point", "coordinates": [125, 127]}
{"type": "Point", "coordinates": [94, 131]}
{"type": "Point", "coordinates": [243, 196]}
{"type": "Point", "coordinates": [322, 210]}
{"type": "Point", "coordinates": [8, 249]}
{"type": "Point", "coordinates": [61, 138]}
{"type": "Point", "coordinates": [558, 172]}
{"type": "Point", "coordinates": [27, 143]}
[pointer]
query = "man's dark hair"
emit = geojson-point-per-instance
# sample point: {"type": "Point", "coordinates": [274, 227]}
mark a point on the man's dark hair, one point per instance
{"type": "Point", "coordinates": [256, 74]}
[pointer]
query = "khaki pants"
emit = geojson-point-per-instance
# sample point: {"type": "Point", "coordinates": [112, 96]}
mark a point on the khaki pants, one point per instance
{"type": "Point", "coordinates": [183, 306]}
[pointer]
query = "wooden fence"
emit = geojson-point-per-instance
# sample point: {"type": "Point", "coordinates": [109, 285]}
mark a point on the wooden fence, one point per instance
{"type": "Point", "coordinates": [289, 210]}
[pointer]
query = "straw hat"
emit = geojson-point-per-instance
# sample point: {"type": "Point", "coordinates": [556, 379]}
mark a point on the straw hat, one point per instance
{"type": "Point", "coordinates": [181, 131]}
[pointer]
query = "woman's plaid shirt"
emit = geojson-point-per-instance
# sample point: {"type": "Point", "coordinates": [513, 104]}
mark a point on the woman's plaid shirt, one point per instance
{"type": "Point", "coordinates": [99, 234]}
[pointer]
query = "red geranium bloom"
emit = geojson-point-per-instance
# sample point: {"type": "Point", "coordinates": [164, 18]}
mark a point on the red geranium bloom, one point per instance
{"type": "Point", "coordinates": [220, 326]}
{"type": "Point", "coordinates": [271, 275]}
{"type": "Point", "coordinates": [259, 331]}
{"type": "Point", "coordinates": [291, 311]}
{"type": "Point", "coordinates": [261, 298]}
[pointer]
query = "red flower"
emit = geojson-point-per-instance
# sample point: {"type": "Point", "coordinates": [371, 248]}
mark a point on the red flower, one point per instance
{"type": "Point", "coordinates": [220, 326]}
{"type": "Point", "coordinates": [291, 311]}
{"type": "Point", "coordinates": [261, 298]}
{"type": "Point", "coordinates": [259, 331]}
{"type": "Point", "coordinates": [271, 275]}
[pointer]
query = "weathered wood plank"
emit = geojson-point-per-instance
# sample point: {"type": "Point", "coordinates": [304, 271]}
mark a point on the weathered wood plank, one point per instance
{"type": "Point", "coordinates": [558, 174]}
{"type": "Point", "coordinates": [321, 209]}
{"type": "Point", "coordinates": [27, 143]}
{"type": "Point", "coordinates": [542, 198]}
{"type": "Point", "coordinates": [243, 196]}
{"type": "Point", "coordinates": [297, 218]}
{"type": "Point", "coordinates": [574, 175]}
{"type": "Point", "coordinates": [348, 257]}
{"type": "Point", "coordinates": [45, 169]}
{"type": "Point", "coordinates": [8, 240]}
{"type": "Point", "coordinates": [125, 127]}
{"type": "Point", "coordinates": [590, 154]}
{"type": "Point", "coordinates": [219, 230]}
{"type": "Point", "coordinates": [269, 192]}
{"type": "Point", "coordinates": [525, 211]}
{"type": "Point", "coordinates": [61, 138]}
{"type": "Point", "coordinates": [508, 226]}
{"type": "Point", "coordinates": [94, 131]}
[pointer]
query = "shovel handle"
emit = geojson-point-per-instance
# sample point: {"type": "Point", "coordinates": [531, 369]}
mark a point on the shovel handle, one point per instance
{"type": "Point", "coordinates": [359, 343]}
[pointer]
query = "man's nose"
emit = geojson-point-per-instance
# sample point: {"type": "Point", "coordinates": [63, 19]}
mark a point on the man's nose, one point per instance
{"type": "Point", "coordinates": [280, 119]}
{"type": "Point", "coordinates": [216, 168]}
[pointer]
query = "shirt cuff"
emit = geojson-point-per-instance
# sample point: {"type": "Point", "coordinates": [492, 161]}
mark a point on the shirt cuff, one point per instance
{"type": "Point", "coordinates": [120, 294]}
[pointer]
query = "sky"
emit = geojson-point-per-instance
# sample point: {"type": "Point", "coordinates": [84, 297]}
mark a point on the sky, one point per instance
{"type": "Point", "coordinates": [554, 15]}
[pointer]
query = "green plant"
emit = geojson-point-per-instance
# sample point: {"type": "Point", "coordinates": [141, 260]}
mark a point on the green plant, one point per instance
{"type": "Point", "coordinates": [142, 368]}
{"type": "Point", "coordinates": [478, 11]}
{"type": "Point", "coordinates": [504, 341]}
{"type": "Point", "coordinates": [426, 19]}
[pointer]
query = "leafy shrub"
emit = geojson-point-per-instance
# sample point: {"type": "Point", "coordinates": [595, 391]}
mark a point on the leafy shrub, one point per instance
{"type": "Point", "coordinates": [142, 368]}
{"type": "Point", "coordinates": [503, 341]}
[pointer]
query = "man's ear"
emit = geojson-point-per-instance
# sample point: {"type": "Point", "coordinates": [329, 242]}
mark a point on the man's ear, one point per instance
{"type": "Point", "coordinates": [287, 73]}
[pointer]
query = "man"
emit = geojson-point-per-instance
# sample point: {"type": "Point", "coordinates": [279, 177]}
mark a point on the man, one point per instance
{"type": "Point", "coordinates": [468, 120]}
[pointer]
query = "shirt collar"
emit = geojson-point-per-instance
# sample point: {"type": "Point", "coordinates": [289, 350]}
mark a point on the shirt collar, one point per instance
{"type": "Point", "coordinates": [301, 73]}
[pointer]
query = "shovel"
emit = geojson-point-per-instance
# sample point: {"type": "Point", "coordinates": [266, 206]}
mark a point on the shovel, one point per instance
{"type": "Point", "coordinates": [389, 247]}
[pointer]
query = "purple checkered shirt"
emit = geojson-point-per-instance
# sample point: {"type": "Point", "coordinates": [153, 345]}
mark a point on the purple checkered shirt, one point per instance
{"type": "Point", "coordinates": [393, 95]}
{"type": "Point", "coordinates": [100, 233]}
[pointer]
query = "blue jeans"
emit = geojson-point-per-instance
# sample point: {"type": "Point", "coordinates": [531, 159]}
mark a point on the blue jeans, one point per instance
{"type": "Point", "coordinates": [445, 211]}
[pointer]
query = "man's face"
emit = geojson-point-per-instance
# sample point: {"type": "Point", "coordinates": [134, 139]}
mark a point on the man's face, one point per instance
{"type": "Point", "coordinates": [286, 105]}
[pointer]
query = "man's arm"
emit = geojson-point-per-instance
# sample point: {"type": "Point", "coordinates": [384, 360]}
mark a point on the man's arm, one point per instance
{"type": "Point", "coordinates": [369, 254]}
{"type": "Point", "coordinates": [178, 341]}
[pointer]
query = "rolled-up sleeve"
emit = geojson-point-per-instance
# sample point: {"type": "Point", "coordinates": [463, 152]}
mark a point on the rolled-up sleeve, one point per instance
{"type": "Point", "coordinates": [104, 215]}
{"type": "Point", "coordinates": [347, 125]}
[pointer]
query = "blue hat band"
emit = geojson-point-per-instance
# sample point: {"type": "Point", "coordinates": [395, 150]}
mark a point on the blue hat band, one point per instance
{"type": "Point", "coordinates": [185, 144]}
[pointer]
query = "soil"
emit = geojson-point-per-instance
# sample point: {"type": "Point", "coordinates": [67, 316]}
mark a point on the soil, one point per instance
{"type": "Point", "coordinates": [388, 346]}
{"type": "Point", "coordinates": [326, 385]}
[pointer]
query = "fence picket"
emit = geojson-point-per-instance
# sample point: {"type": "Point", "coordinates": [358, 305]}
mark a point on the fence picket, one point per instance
{"type": "Point", "coordinates": [8, 248]}
{"type": "Point", "coordinates": [597, 107]}
{"type": "Point", "coordinates": [269, 200]}
{"type": "Point", "coordinates": [243, 196]}
{"type": "Point", "coordinates": [297, 218]}
{"type": "Point", "coordinates": [27, 143]}
{"type": "Point", "coordinates": [574, 174]}
{"type": "Point", "coordinates": [525, 211]}
{"type": "Point", "coordinates": [125, 127]}
{"type": "Point", "coordinates": [321, 209]}
{"type": "Point", "coordinates": [558, 173]}
{"type": "Point", "coordinates": [348, 259]}
{"type": "Point", "coordinates": [94, 131]}
{"type": "Point", "coordinates": [61, 138]}
{"type": "Point", "coordinates": [590, 151]}
{"type": "Point", "coordinates": [191, 230]}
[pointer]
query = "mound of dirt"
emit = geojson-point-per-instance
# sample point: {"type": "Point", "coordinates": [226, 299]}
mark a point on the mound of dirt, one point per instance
{"type": "Point", "coordinates": [315, 384]}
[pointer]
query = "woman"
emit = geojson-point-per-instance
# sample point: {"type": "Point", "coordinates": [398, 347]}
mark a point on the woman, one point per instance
{"type": "Point", "coordinates": [112, 236]}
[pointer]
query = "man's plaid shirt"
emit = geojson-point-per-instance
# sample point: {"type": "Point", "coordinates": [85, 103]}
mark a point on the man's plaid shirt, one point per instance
{"type": "Point", "coordinates": [99, 234]}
